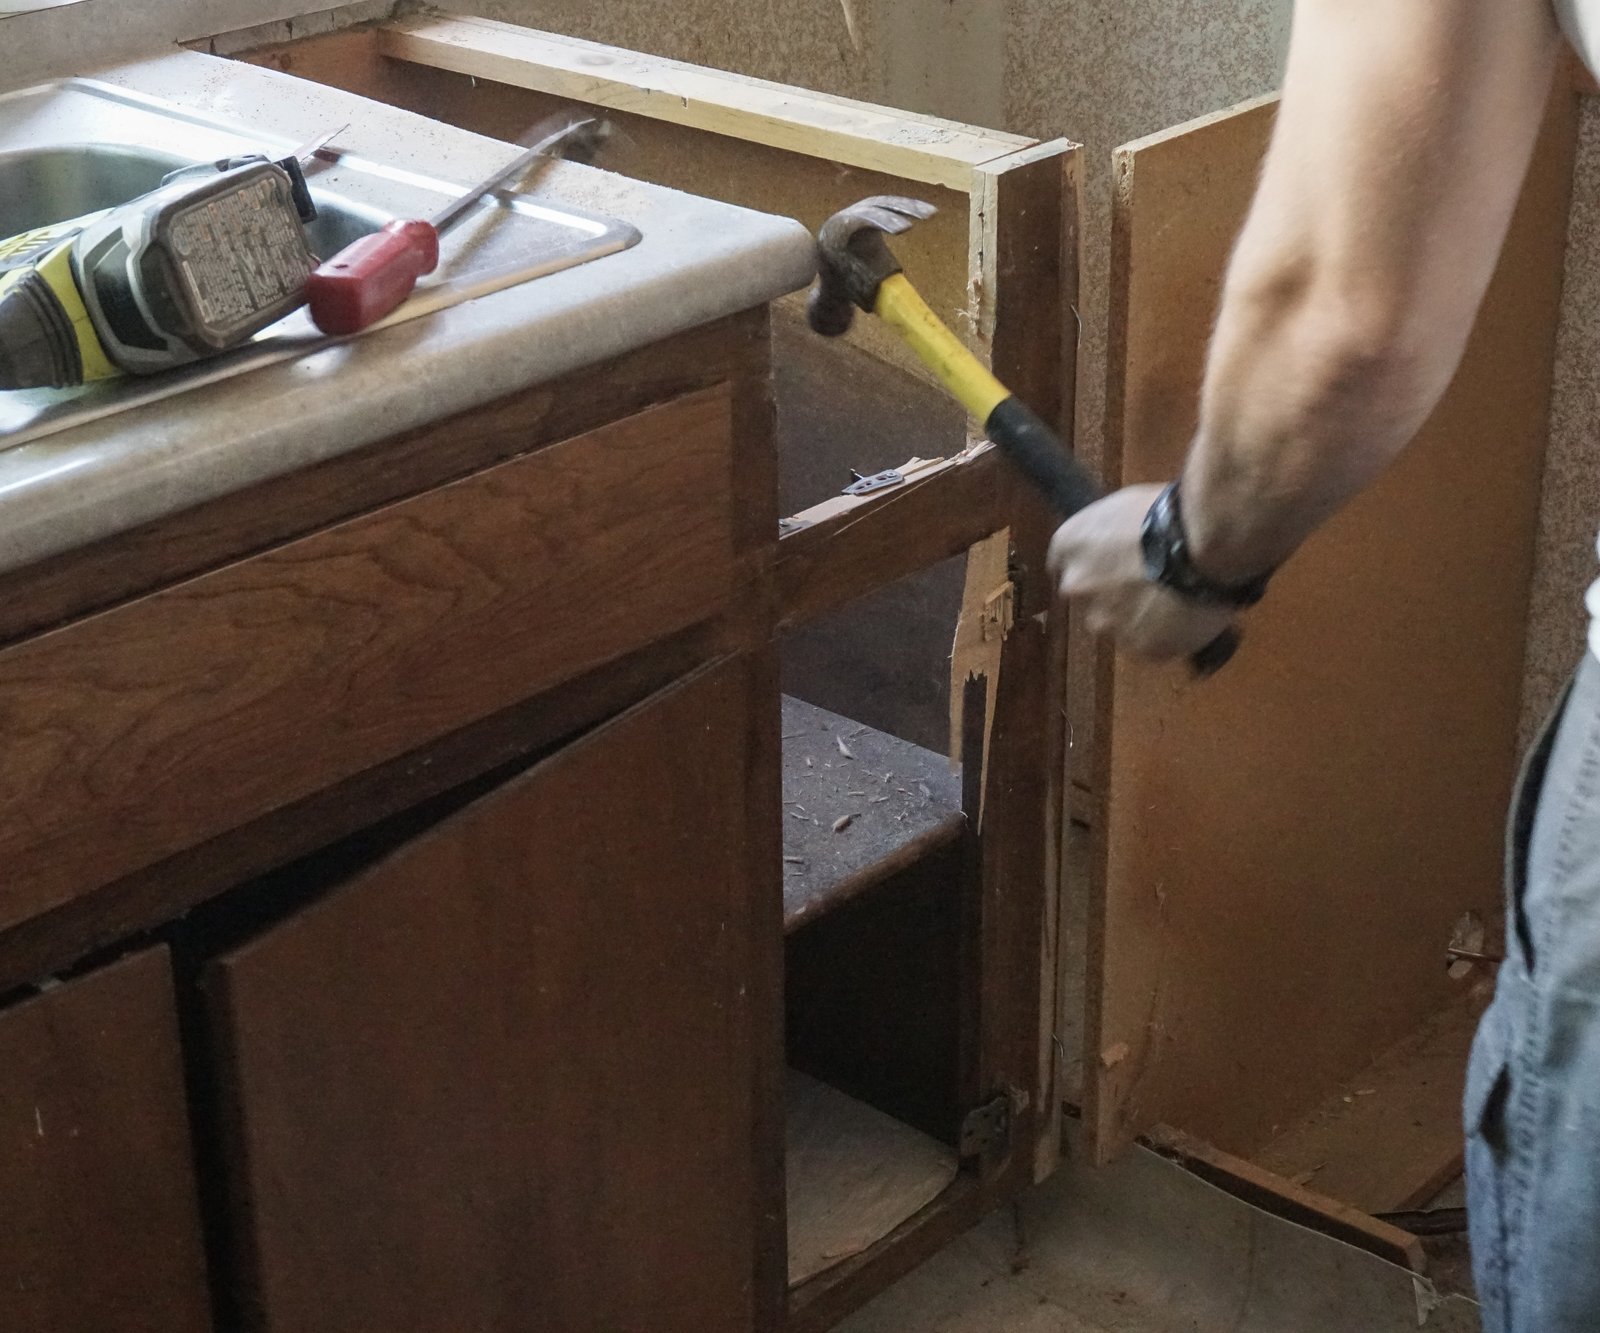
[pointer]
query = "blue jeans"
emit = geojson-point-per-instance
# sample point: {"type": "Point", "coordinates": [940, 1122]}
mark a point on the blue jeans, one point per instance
{"type": "Point", "coordinates": [1532, 1106]}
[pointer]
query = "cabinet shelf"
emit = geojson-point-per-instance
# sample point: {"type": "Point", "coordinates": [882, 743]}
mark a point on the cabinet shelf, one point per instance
{"type": "Point", "coordinates": [854, 1175]}
{"type": "Point", "coordinates": [858, 805]}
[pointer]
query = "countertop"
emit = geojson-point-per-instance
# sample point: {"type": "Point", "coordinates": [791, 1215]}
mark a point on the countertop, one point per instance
{"type": "Point", "coordinates": [698, 261]}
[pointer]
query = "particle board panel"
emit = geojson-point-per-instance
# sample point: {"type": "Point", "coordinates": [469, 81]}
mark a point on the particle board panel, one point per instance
{"type": "Point", "coordinates": [456, 1090]}
{"type": "Point", "coordinates": [1282, 851]}
{"type": "Point", "coordinates": [1390, 1138]}
{"type": "Point", "coordinates": [855, 1174]}
{"type": "Point", "coordinates": [101, 1220]}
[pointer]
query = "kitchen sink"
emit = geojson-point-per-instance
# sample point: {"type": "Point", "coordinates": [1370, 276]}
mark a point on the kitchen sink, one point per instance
{"type": "Point", "coordinates": [78, 146]}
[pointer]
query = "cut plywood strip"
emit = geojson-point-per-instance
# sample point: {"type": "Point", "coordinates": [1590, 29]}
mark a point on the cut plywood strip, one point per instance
{"type": "Point", "coordinates": [838, 129]}
{"type": "Point", "coordinates": [1390, 1138]}
{"type": "Point", "coordinates": [1283, 851]}
{"type": "Point", "coordinates": [855, 1175]}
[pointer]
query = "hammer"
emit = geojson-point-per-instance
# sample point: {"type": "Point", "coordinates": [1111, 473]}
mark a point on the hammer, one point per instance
{"type": "Point", "coordinates": [857, 268]}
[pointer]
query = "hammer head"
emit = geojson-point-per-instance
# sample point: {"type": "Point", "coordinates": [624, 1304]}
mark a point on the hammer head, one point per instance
{"type": "Point", "coordinates": [853, 258]}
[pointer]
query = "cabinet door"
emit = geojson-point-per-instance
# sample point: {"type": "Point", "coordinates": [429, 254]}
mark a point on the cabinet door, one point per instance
{"type": "Point", "coordinates": [99, 1228]}
{"type": "Point", "coordinates": [521, 1075]}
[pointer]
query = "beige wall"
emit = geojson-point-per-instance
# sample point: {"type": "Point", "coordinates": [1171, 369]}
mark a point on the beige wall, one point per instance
{"type": "Point", "coordinates": [793, 41]}
{"type": "Point", "coordinates": [1105, 72]}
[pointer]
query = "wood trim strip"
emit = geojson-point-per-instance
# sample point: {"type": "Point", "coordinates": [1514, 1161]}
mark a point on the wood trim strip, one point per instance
{"type": "Point", "coordinates": [885, 536]}
{"type": "Point", "coordinates": [857, 134]}
{"type": "Point", "coordinates": [1272, 1193]}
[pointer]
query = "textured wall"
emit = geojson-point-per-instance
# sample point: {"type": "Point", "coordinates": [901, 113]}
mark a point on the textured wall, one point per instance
{"type": "Point", "coordinates": [794, 41]}
{"type": "Point", "coordinates": [1565, 558]}
{"type": "Point", "coordinates": [1107, 71]}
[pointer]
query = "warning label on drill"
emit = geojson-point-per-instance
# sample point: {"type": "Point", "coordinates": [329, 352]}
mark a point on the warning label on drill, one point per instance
{"type": "Point", "coordinates": [243, 258]}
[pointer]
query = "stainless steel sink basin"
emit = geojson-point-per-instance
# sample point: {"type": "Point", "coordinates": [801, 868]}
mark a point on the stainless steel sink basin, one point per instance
{"type": "Point", "coordinates": [78, 146]}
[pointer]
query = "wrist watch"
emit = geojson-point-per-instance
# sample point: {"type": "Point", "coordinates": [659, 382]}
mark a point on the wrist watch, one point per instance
{"type": "Point", "coordinates": [1167, 560]}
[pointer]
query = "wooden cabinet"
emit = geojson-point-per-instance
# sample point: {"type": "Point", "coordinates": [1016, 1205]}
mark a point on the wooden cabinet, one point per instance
{"type": "Point", "coordinates": [99, 1225]}
{"type": "Point", "coordinates": [516, 1076]}
{"type": "Point", "coordinates": [451, 770]}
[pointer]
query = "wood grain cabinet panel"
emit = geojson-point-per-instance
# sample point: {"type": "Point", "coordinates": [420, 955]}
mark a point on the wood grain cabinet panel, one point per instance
{"type": "Point", "coordinates": [147, 729]}
{"type": "Point", "coordinates": [515, 1076]}
{"type": "Point", "coordinates": [99, 1229]}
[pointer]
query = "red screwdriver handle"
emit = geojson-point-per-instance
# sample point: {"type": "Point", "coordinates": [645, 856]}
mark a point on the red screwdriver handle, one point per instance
{"type": "Point", "coordinates": [372, 276]}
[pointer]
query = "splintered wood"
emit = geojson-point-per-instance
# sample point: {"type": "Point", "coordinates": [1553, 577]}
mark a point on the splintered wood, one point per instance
{"type": "Point", "coordinates": [988, 608]}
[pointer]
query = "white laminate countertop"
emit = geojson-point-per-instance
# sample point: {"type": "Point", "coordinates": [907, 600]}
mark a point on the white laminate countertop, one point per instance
{"type": "Point", "coordinates": [698, 261]}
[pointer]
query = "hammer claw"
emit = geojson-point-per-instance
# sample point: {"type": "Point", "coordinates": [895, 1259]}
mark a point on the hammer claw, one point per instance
{"type": "Point", "coordinates": [853, 259]}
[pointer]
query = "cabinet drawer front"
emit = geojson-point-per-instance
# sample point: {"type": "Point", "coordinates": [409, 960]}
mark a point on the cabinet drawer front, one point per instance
{"type": "Point", "coordinates": [145, 730]}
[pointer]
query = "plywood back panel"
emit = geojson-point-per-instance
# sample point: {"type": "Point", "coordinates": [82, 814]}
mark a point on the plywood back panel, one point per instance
{"type": "Point", "coordinates": [1282, 851]}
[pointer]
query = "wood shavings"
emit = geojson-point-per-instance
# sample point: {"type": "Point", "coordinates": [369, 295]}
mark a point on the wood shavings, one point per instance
{"type": "Point", "coordinates": [843, 822]}
{"type": "Point", "coordinates": [795, 860]}
{"type": "Point", "coordinates": [876, 799]}
{"type": "Point", "coordinates": [844, 749]}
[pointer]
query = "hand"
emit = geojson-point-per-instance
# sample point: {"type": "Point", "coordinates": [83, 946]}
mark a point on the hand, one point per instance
{"type": "Point", "coordinates": [1099, 569]}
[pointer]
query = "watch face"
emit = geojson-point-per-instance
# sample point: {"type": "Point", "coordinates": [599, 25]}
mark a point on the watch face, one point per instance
{"type": "Point", "coordinates": [1155, 542]}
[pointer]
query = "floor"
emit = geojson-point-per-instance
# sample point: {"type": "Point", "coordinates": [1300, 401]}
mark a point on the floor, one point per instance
{"type": "Point", "coordinates": [1144, 1247]}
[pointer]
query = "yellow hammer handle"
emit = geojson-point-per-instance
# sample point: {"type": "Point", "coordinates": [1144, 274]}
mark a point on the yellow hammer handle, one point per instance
{"type": "Point", "coordinates": [940, 350]}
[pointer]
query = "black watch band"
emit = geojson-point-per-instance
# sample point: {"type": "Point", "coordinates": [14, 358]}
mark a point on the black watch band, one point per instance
{"type": "Point", "coordinates": [1167, 560]}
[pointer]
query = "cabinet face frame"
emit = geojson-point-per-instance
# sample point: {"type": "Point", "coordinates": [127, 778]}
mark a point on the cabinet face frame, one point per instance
{"type": "Point", "coordinates": [1001, 265]}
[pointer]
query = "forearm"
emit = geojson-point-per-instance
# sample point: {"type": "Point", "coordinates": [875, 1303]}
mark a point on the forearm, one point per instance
{"type": "Point", "coordinates": [1294, 422]}
{"type": "Point", "coordinates": [1401, 142]}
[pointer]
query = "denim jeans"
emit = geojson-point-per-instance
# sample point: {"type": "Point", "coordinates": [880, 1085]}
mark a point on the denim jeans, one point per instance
{"type": "Point", "coordinates": [1532, 1106]}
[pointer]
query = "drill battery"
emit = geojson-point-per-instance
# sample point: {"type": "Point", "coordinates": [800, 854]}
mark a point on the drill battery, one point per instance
{"type": "Point", "coordinates": [193, 268]}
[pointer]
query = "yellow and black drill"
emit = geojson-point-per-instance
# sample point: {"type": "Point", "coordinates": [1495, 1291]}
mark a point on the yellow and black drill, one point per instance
{"type": "Point", "coordinates": [199, 265]}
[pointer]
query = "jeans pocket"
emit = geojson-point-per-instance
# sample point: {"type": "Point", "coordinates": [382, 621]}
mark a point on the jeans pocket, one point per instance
{"type": "Point", "coordinates": [1519, 828]}
{"type": "Point", "coordinates": [1488, 1079]}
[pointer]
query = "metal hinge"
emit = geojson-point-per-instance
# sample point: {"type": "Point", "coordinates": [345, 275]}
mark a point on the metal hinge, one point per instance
{"type": "Point", "coordinates": [986, 1129]}
{"type": "Point", "coordinates": [999, 612]}
{"type": "Point", "coordinates": [876, 482]}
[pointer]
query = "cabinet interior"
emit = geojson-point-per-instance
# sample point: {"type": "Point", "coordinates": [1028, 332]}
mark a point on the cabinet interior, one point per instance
{"type": "Point", "coordinates": [878, 884]}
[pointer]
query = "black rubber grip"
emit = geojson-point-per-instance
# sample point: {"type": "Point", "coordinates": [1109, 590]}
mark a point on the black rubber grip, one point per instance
{"type": "Point", "coordinates": [1038, 453]}
{"type": "Point", "coordinates": [1069, 487]}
